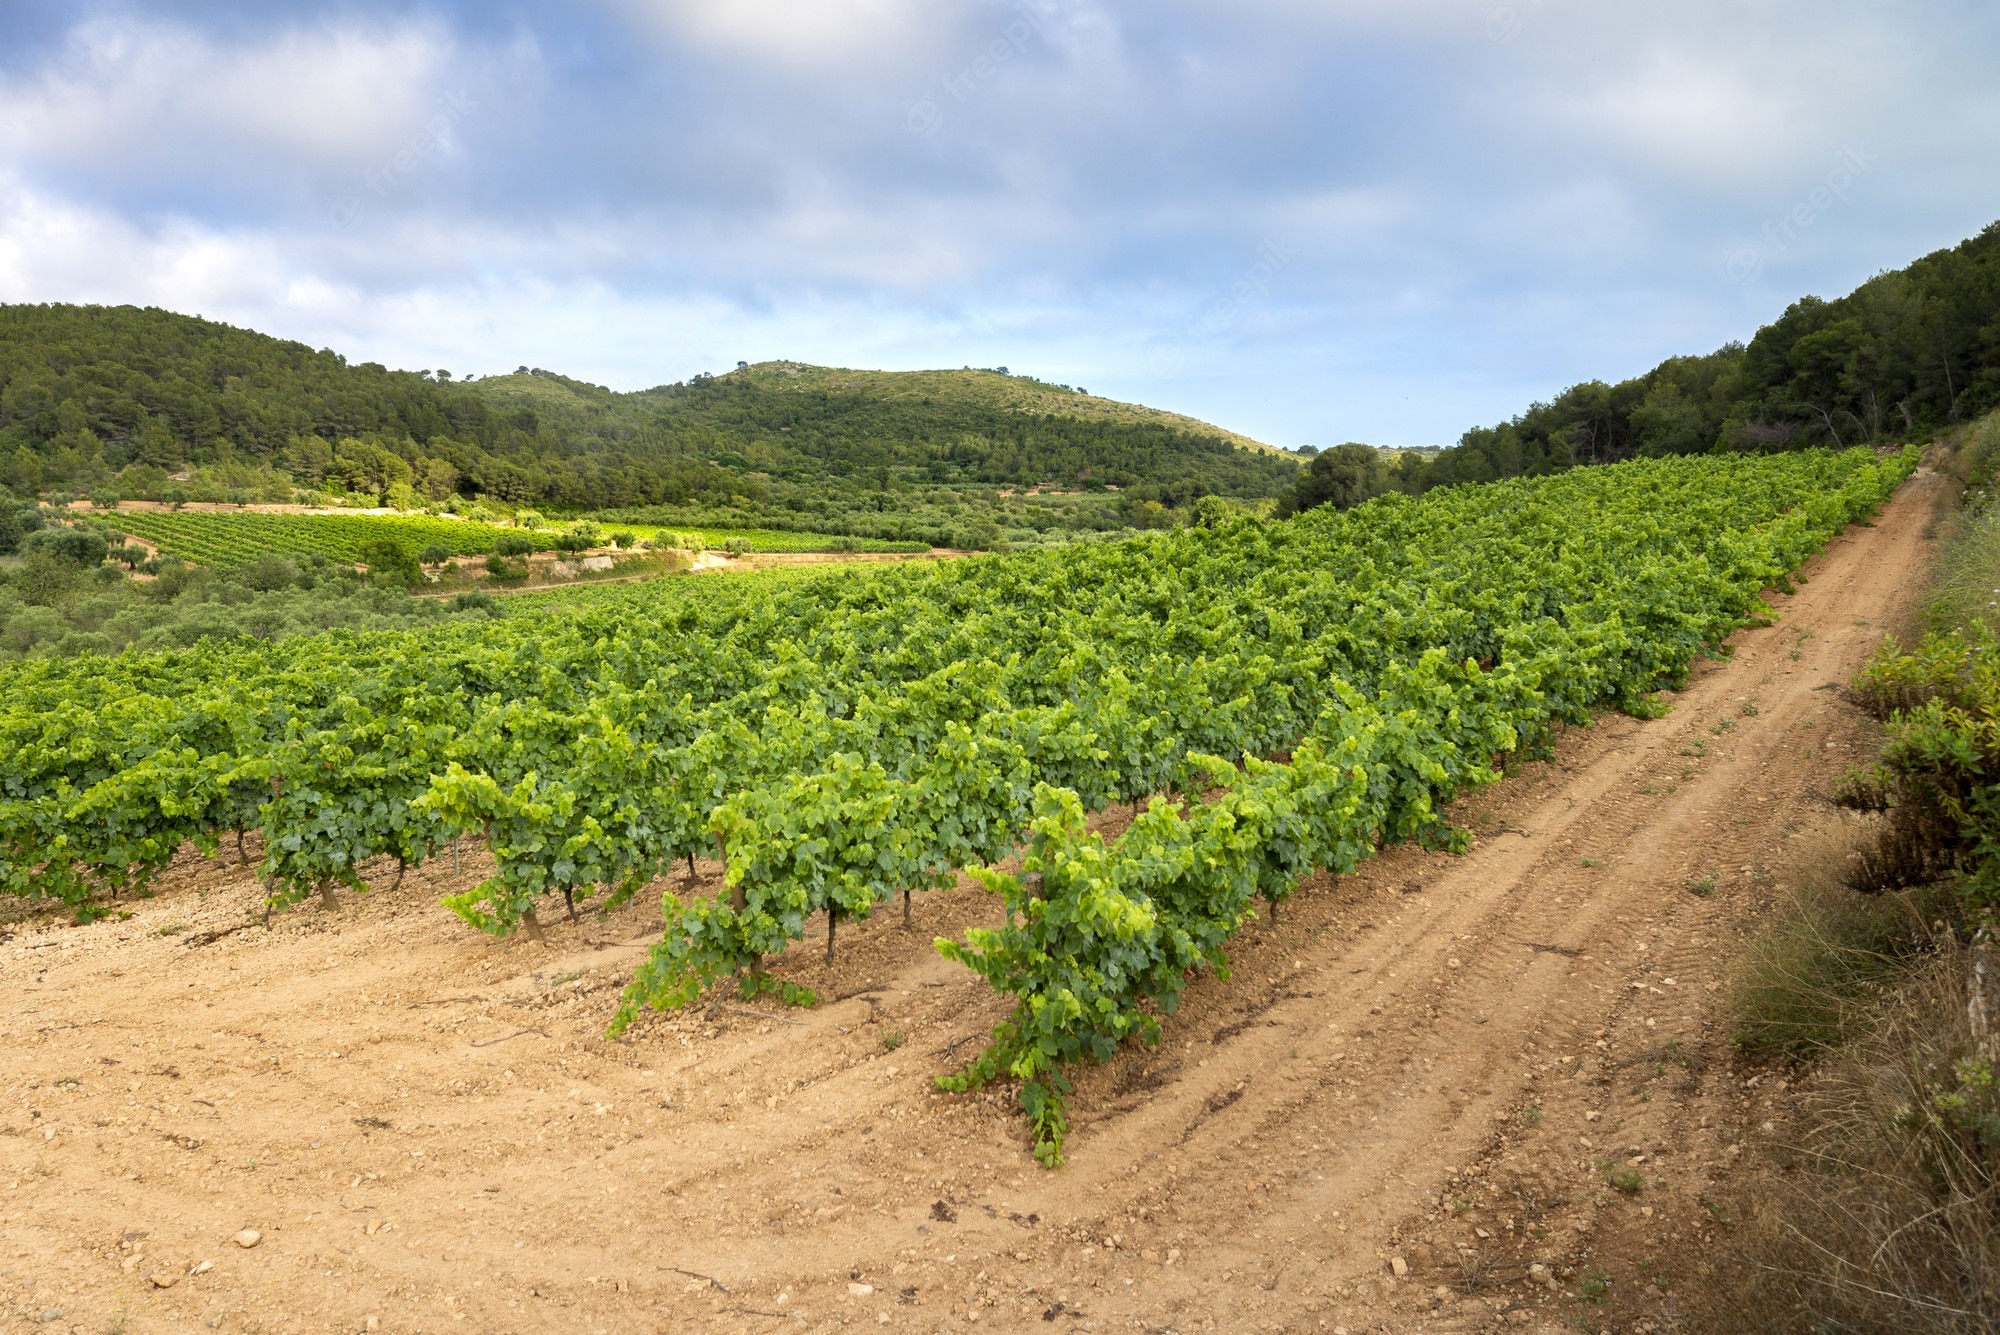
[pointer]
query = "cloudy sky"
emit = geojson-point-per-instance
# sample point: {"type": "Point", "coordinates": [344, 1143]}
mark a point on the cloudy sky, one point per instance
{"type": "Point", "coordinates": [1310, 220]}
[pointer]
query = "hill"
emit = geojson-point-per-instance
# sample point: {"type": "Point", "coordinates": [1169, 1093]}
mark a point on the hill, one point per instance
{"type": "Point", "coordinates": [92, 396]}
{"type": "Point", "coordinates": [1907, 353]}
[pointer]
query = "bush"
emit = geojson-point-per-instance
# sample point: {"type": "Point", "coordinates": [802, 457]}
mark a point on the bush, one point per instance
{"type": "Point", "coordinates": [511, 544]}
{"type": "Point", "coordinates": [389, 563]}
{"type": "Point", "coordinates": [16, 523]}
{"type": "Point", "coordinates": [624, 541]}
{"type": "Point", "coordinates": [434, 555]}
{"type": "Point", "coordinates": [77, 546]}
{"type": "Point", "coordinates": [268, 573]}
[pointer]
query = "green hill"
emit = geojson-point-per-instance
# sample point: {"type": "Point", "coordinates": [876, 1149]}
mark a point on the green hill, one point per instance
{"type": "Point", "coordinates": [93, 397]}
{"type": "Point", "coordinates": [1908, 352]}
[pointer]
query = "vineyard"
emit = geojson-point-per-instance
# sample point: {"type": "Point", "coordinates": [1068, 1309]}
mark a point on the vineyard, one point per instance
{"type": "Point", "coordinates": [1281, 698]}
{"type": "Point", "coordinates": [777, 541]}
{"type": "Point", "coordinates": [223, 540]}
{"type": "Point", "coordinates": [226, 540]}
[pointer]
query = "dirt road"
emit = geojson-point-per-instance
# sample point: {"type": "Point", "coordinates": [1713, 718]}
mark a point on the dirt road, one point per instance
{"type": "Point", "coordinates": [1412, 1091]}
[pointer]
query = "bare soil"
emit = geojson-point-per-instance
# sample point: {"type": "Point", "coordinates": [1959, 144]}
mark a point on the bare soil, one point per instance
{"type": "Point", "coordinates": [1413, 1090]}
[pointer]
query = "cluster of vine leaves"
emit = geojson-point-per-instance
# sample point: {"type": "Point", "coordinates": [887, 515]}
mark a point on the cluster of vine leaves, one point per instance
{"type": "Point", "coordinates": [848, 741]}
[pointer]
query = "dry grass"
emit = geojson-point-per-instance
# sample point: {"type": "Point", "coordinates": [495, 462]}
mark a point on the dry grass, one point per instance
{"type": "Point", "coordinates": [1883, 1214]}
{"type": "Point", "coordinates": [1828, 955]}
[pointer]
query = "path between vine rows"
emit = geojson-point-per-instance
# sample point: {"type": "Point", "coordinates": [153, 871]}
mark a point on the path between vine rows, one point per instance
{"type": "Point", "coordinates": [1427, 1063]}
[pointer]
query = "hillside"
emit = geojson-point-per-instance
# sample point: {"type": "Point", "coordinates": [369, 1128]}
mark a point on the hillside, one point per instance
{"type": "Point", "coordinates": [91, 396]}
{"type": "Point", "coordinates": [1908, 352]}
{"type": "Point", "coordinates": [990, 389]}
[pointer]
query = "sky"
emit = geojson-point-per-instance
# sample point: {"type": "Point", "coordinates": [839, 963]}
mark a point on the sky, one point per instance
{"type": "Point", "coordinates": [1307, 220]}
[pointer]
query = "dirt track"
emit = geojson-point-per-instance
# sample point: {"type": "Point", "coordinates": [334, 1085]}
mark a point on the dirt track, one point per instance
{"type": "Point", "coordinates": [1429, 1066]}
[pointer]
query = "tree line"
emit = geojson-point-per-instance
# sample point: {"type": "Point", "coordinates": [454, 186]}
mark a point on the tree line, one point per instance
{"type": "Point", "coordinates": [91, 396]}
{"type": "Point", "coordinates": [1906, 353]}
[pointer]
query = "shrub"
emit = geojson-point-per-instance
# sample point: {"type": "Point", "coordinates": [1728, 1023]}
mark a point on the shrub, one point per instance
{"type": "Point", "coordinates": [76, 546]}
{"type": "Point", "coordinates": [512, 544]}
{"type": "Point", "coordinates": [389, 563]}
{"type": "Point", "coordinates": [268, 573]}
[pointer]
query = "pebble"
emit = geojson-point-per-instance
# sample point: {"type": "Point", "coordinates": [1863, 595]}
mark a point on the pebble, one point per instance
{"type": "Point", "coordinates": [164, 1279]}
{"type": "Point", "coordinates": [860, 1290]}
{"type": "Point", "coordinates": [53, 1314]}
{"type": "Point", "coordinates": [1398, 1267]}
{"type": "Point", "coordinates": [249, 1237]}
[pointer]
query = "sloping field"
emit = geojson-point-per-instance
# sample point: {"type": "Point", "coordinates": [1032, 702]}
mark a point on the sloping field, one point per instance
{"type": "Point", "coordinates": [1427, 1063]}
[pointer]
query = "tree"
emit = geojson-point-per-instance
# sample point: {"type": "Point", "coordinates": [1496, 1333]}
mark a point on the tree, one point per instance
{"type": "Point", "coordinates": [75, 546]}
{"type": "Point", "coordinates": [16, 523]}
{"type": "Point", "coordinates": [434, 555]}
{"type": "Point", "coordinates": [1342, 477]}
{"type": "Point", "coordinates": [389, 563]}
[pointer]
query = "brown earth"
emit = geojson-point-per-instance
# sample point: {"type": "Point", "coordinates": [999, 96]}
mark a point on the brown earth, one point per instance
{"type": "Point", "coordinates": [1412, 1091]}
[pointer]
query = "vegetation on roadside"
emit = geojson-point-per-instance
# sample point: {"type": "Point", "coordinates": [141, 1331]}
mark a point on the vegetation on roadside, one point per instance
{"type": "Point", "coordinates": [1880, 980]}
{"type": "Point", "coordinates": [60, 604]}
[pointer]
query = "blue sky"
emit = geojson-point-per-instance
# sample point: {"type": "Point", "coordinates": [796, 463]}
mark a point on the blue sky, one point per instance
{"type": "Point", "coordinates": [1312, 221]}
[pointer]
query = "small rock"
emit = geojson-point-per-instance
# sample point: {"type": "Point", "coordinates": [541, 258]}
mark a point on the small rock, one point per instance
{"type": "Point", "coordinates": [164, 1279]}
{"type": "Point", "coordinates": [203, 1268]}
{"type": "Point", "coordinates": [1398, 1267]}
{"type": "Point", "coordinates": [1591, 1116]}
{"type": "Point", "coordinates": [1149, 1255]}
{"type": "Point", "coordinates": [1173, 1255]}
{"type": "Point", "coordinates": [53, 1314]}
{"type": "Point", "coordinates": [860, 1290]}
{"type": "Point", "coordinates": [372, 1323]}
{"type": "Point", "coordinates": [249, 1237]}
{"type": "Point", "coordinates": [1441, 1292]}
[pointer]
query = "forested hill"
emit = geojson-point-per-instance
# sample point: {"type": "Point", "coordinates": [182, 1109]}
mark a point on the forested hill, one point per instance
{"type": "Point", "coordinates": [88, 392]}
{"type": "Point", "coordinates": [1906, 352]}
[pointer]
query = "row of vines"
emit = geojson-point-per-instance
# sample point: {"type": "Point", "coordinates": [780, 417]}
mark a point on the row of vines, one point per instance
{"type": "Point", "coordinates": [226, 540]}
{"type": "Point", "coordinates": [223, 539]}
{"type": "Point", "coordinates": [844, 742]}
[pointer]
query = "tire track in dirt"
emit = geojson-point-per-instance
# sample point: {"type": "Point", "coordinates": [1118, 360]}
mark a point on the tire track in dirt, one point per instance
{"type": "Point", "coordinates": [1295, 1130]}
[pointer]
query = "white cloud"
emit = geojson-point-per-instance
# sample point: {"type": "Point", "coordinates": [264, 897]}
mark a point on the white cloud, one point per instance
{"type": "Point", "coordinates": [135, 94]}
{"type": "Point", "coordinates": [803, 34]}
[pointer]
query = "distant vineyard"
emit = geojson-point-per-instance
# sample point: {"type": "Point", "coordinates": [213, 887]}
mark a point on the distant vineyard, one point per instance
{"type": "Point", "coordinates": [223, 540]}
{"type": "Point", "coordinates": [774, 540]}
